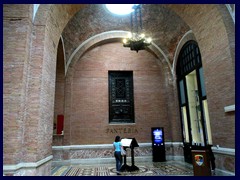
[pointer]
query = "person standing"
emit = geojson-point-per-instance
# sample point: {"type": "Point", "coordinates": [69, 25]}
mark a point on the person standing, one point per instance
{"type": "Point", "coordinates": [117, 153]}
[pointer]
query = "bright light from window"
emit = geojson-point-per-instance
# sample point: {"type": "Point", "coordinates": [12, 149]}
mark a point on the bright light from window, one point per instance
{"type": "Point", "coordinates": [120, 9]}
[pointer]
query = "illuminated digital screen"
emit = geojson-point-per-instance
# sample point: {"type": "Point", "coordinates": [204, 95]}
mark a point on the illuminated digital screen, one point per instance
{"type": "Point", "coordinates": [157, 135]}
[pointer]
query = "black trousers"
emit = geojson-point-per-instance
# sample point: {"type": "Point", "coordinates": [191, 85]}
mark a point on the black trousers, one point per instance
{"type": "Point", "coordinates": [118, 158]}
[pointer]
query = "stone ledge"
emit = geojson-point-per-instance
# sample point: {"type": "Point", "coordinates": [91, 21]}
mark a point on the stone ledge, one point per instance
{"type": "Point", "coordinates": [108, 146]}
{"type": "Point", "coordinates": [27, 165]}
{"type": "Point", "coordinates": [225, 151]}
{"type": "Point", "coordinates": [229, 108]}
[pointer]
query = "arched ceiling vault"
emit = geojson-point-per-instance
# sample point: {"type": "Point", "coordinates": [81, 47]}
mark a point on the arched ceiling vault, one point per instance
{"type": "Point", "coordinates": [166, 24]}
{"type": "Point", "coordinates": [93, 24]}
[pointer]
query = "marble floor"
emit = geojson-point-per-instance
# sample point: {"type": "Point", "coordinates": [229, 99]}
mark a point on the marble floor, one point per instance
{"type": "Point", "coordinates": [168, 168]}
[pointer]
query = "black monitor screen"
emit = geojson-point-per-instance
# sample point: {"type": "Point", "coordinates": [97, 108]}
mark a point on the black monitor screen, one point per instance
{"type": "Point", "coordinates": [157, 136]}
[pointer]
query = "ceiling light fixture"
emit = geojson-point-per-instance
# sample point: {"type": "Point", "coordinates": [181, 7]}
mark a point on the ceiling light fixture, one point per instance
{"type": "Point", "coordinates": [136, 40]}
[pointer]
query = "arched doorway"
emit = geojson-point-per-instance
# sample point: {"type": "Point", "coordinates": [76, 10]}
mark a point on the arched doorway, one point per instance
{"type": "Point", "coordinates": [196, 131]}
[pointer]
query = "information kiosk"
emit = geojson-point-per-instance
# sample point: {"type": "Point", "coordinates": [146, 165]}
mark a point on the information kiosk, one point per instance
{"type": "Point", "coordinates": [158, 145]}
{"type": "Point", "coordinates": [129, 143]}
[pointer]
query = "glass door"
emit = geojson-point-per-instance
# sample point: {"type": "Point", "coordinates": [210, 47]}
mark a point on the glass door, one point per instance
{"type": "Point", "coordinates": [196, 130]}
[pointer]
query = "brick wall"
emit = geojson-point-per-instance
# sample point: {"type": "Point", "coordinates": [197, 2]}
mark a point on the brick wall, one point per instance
{"type": "Point", "coordinates": [30, 69]}
{"type": "Point", "coordinates": [216, 44]}
{"type": "Point", "coordinates": [16, 38]}
{"type": "Point", "coordinates": [29, 79]}
{"type": "Point", "coordinates": [88, 116]}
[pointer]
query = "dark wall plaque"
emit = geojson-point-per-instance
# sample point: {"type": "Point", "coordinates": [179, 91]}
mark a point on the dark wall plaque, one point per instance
{"type": "Point", "coordinates": [121, 102]}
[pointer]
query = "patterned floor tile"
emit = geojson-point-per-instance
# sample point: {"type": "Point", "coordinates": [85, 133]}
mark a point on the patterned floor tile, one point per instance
{"type": "Point", "coordinates": [148, 169]}
{"type": "Point", "coordinates": [60, 171]}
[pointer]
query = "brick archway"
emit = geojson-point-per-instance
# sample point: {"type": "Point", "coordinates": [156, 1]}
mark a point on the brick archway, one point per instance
{"type": "Point", "coordinates": [115, 36]}
{"type": "Point", "coordinates": [35, 104]}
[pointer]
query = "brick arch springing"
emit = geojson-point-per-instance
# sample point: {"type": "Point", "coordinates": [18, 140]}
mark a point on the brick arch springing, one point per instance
{"type": "Point", "coordinates": [82, 48]}
{"type": "Point", "coordinates": [187, 36]}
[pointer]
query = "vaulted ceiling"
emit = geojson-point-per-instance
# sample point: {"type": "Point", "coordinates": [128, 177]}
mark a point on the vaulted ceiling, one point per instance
{"type": "Point", "coordinates": [161, 23]}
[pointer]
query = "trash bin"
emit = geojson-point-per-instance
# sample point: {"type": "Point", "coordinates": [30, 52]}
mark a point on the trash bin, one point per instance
{"type": "Point", "coordinates": [201, 163]}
